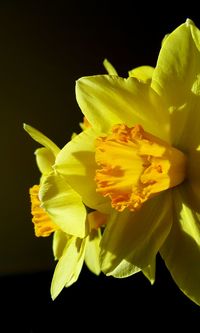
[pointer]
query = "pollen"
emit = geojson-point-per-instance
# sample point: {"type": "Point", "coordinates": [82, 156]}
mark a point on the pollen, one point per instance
{"type": "Point", "coordinates": [134, 165]}
{"type": "Point", "coordinates": [43, 225]}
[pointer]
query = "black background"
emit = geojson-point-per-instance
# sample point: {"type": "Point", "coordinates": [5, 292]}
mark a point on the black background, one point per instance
{"type": "Point", "coordinates": [44, 48]}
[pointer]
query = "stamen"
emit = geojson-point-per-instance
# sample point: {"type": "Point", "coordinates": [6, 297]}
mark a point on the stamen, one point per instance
{"type": "Point", "coordinates": [135, 166]}
{"type": "Point", "coordinates": [43, 225]}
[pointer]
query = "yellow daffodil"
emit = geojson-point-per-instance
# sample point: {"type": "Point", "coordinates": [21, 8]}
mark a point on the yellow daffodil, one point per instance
{"type": "Point", "coordinates": [58, 209]}
{"type": "Point", "coordinates": [70, 217]}
{"type": "Point", "coordinates": [139, 160]}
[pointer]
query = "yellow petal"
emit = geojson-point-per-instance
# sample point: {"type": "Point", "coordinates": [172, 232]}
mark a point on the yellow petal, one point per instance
{"type": "Point", "coordinates": [124, 269]}
{"type": "Point", "coordinates": [109, 67]}
{"type": "Point", "coordinates": [76, 162]}
{"type": "Point", "coordinates": [138, 236]}
{"type": "Point", "coordinates": [92, 251]}
{"type": "Point", "coordinates": [81, 245]}
{"type": "Point", "coordinates": [143, 73]}
{"type": "Point", "coordinates": [191, 185]}
{"type": "Point", "coordinates": [63, 205]}
{"type": "Point", "coordinates": [60, 240]}
{"type": "Point", "coordinates": [45, 159]}
{"type": "Point", "coordinates": [190, 141]}
{"type": "Point", "coordinates": [150, 271]}
{"type": "Point", "coordinates": [175, 74]}
{"type": "Point", "coordinates": [181, 250]}
{"type": "Point", "coordinates": [69, 266]}
{"type": "Point", "coordinates": [108, 100]}
{"type": "Point", "coordinates": [42, 139]}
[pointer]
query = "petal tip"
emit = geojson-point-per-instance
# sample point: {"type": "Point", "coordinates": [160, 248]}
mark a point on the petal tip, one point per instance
{"type": "Point", "coordinates": [189, 22]}
{"type": "Point", "coordinates": [26, 127]}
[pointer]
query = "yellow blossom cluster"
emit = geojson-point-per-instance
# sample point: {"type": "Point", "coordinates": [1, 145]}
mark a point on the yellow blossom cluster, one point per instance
{"type": "Point", "coordinates": [127, 187]}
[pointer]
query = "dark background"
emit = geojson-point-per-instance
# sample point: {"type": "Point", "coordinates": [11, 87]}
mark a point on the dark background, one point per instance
{"type": "Point", "coordinates": [44, 48]}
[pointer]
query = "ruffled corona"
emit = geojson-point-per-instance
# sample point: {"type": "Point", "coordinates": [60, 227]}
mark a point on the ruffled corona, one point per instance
{"type": "Point", "coordinates": [42, 223]}
{"type": "Point", "coordinates": [135, 166]}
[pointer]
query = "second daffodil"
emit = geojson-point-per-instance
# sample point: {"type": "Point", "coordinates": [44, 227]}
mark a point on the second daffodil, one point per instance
{"type": "Point", "coordinates": [57, 208]}
{"type": "Point", "coordinates": [139, 160]}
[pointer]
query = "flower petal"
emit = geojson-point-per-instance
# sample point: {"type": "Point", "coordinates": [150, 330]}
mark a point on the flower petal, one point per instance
{"type": "Point", "coordinates": [176, 68]}
{"type": "Point", "coordinates": [107, 100]}
{"type": "Point", "coordinates": [42, 139]}
{"type": "Point", "coordinates": [181, 250]}
{"type": "Point", "coordinates": [124, 269]}
{"type": "Point", "coordinates": [45, 159]}
{"type": "Point", "coordinates": [136, 237]}
{"type": "Point", "coordinates": [92, 251]}
{"type": "Point", "coordinates": [76, 162]}
{"type": "Point", "coordinates": [69, 266]}
{"type": "Point", "coordinates": [109, 67]}
{"type": "Point", "coordinates": [176, 72]}
{"type": "Point", "coordinates": [150, 271]}
{"type": "Point", "coordinates": [143, 73]}
{"type": "Point", "coordinates": [60, 240]}
{"type": "Point", "coordinates": [63, 205]}
{"type": "Point", "coordinates": [191, 185]}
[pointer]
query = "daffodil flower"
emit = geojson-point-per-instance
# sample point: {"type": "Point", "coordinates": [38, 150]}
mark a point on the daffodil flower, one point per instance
{"type": "Point", "coordinates": [62, 203]}
{"type": "Point", "coordinates": [58, 209]}
{"type": "Point", "coordinates": [139, 161]}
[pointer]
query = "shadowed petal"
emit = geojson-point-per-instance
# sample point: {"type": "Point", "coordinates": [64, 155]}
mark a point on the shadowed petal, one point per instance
{"type": "Point", "coordinates": [92, 251]}
{"type": "Point", "coordinates": [60, 240]}
{"type": "Point", "coordinates": [136, 237]}
{"type": "Point", "coordinates": [150, 271]}
{"type": "Point", "coordinates": [181, 250]}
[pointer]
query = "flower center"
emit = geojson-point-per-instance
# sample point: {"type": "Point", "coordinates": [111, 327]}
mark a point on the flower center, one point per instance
{"type": "Point", "coordinates": [42, 223]}
{"type": "Point", "coordinates": [135, 166]}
